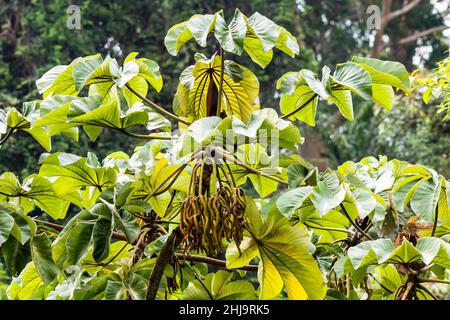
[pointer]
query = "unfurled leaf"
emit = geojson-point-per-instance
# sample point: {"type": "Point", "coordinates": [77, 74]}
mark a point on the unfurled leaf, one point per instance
{"type": "Point", "coordinates": [197, 94]}
{"type": "Point", "coordinates": [41, 253]}
{"type": "Point", "coordinates": [256, 35]}
{"type": "Point", "coordinates": [218, 286]}
{"type": "Point", "coordinates": [285, 257]}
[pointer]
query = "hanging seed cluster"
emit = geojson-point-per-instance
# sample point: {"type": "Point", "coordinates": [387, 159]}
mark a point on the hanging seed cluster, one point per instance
{"type": "Point", "coordinates": [207, 219]}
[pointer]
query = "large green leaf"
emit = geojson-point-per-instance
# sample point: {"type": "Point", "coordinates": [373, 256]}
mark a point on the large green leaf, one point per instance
{"type": "Point", "coordinates": [254, 156]}
{"type": "Point", "coordinates": [199, 85]}
{"type": "Point", "coordinates": [110, 115]}
{"type": "Point", "coordinates": [382, 251]}
{"type": "Point", "coordinates": [354, 78]}
{"type": "Point", "coordinates": [34, 190]}
{"type": "Point", "coordinates": [328, 194]}
{"type": "Point", "coordinates": [103, 77]}
{"type": "Point", "coordinates": [41, 254]}
{"type": "Point", "coordinates": [155, 178]}
{"type": "Point", "coordinates": [58, 80]}
{"type": "Point", "coordinates": [263, 127]}
{"type": "Point", "coordinates": [367, 78]}
{"type": "Point", "coordinates": [70, 173]}
{"type": "Point", "coordinates": [326, 226]}
{"type": "Point", "coordinates": [133, 286]}
{"type": "Point", "coordinates": [73, 241]}
{"type": "Point", "coordinates": [256, 35]}
{"type": "Point", "coordinates": [290, 201]}
{"type": "Point", "coordinates": [102, 232]}
{"type": "Point", "coordinates": [218, 286]}
{"type": "Point", "coordinates": [385, 72]}
{"type": "Point", "coordinates": [300, 90]}
{"type": "Point", "coordinates": [25, 121]}
{"type": "Point", "coordinates": [285, 257]}
{"type": "Point", "coordinates": [424, 190]}
{"type": "Point", "coordinates": [24, 226]}
{"type": "Point", "coordinates": [231, 37]}
{"type": "Point", "coordinates": [385, 75]}
{"type": "Point", "coordinates": [64, 114]}
{"type": "Point", "coordinates": [359, 203]}
{"type": "Point", "coordinates": [16, 255]}
{"type": "Point", "coordinates": [6, 226]}
{"type": "Point", "coordinates": [78, 241]}
{"type": "Point", "coordinates": [27, 286]}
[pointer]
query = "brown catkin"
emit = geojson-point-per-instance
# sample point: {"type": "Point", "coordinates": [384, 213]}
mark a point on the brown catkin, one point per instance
{"type": "Point", "coordinates": [207, 220]}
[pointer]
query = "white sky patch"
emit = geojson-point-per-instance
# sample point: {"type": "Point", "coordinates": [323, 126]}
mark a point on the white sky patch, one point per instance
{"type": "Point", "coordinates": [113, 47]}
{"type": "Point", "coordinates": [301, 5]}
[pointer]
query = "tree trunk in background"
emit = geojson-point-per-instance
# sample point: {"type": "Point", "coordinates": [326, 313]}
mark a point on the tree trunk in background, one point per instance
{"type": "Point", "coordinates": [402, 36]}
{"type": "Point", "coordinates": [314, 150]}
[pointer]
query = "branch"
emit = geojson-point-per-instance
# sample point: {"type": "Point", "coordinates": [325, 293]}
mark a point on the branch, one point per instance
{"type": "Point", "coordinates": [387, 16]}
{"type": "Point", "coordinates": [421, 287]}
{"type": "Point", "coordinates": [156, 107]}
{"type": "Point", "coordinates": [213, 261]}
{"type": "Point", "coordinates": [357, 227]}
{"type": "Point", "coordinates": [181, 256]}
{"type": "Point", "coordinates": [409, 286]}
{"type": "Point", "coordinates": [434, 281]}
{"type": "Point", "coordinates": [328, 228]}
{"type": "Point", "coordinates": [378, 41]}
{"type": "Point", "coordinates": [59, 227]}
{"type": "Point", "coordinates": [287, 115]}
{"type": "Point", "coordinates": [219, 100]}
{"type": "Point", "coordinates": [150, 136]}
{"type": "Point", "coordinates": [403, 10]}
{"type": "Point", "coordinates": [436, 219]}
{"type": "Point", "coordinates": [164, 256]}
{"type": "Point", "coordinates": [418, 35]}
{"type": "Point", "coordinates": [7, 136]}
{"type": "Point", "coordinates": [250, 169]}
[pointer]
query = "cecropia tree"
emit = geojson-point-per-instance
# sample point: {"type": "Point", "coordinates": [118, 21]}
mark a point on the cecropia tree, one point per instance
{"type": "Point", "coordinates": [222, 207]}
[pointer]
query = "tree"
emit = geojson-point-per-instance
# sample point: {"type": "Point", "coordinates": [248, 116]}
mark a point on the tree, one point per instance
{"type": "Point", "coordinates": [405, 36]}
{"type": "Point", "coordinates": [373, 229]}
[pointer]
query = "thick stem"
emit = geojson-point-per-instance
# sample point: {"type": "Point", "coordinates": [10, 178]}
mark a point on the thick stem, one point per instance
{"type": "Point", "coordinates": [222, 65]}
{"type": "Point", "coordinates": [436, 218]}
{"type": "Point", "coordinates": [59, 227]}
{"type": "Point", "coordinates": [380, 284]}
{"type": "Point", "coordinates": [166, 253]}
{"type": "Point", "coordinates": [151, 136]}
{"type": "Point", "coordinates": [434, 281]}
{"type": "Point", "coordinates": [354, 223]}
{"type": "Point", "coordinates": [348, 285]}
{"type": "Point", "coordinates": [156, 107]}
{"type": "Point", "coordinates": [427, 291]}
{"type": "Point", "coordinates": [407, 290]}
{"type": "Point", "coordinates": [7, 136]}
{"type": "Point", "coordinates": [213, 261]}
{"type": "Point", "coordinates": [328, 228]}
{"type": "Point", "coordinates": [157, 191]}
{"type": "Point", "coordinates": [250, 169]}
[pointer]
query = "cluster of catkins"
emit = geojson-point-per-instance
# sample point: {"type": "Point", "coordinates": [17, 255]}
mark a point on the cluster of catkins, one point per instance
{"type": "Point", "coordinates": [207, 219]}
